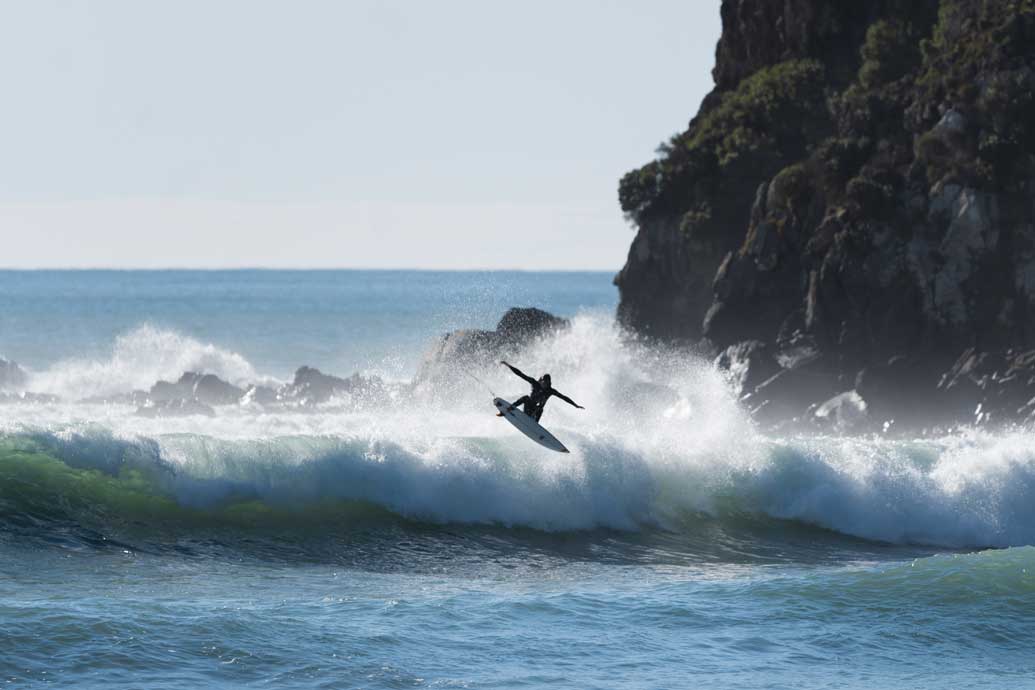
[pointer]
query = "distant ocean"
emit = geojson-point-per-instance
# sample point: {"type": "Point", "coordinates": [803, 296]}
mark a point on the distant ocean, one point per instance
{"type": "Point", "coordinates": [422, 544]}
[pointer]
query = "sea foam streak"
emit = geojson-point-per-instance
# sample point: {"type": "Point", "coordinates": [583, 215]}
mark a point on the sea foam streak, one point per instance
{"type": "Point", "coordinates": [661, 440]}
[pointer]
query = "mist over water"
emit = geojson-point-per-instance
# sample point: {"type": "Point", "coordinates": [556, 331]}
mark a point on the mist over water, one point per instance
{"type": "Point", "coordinates": [675, 538]}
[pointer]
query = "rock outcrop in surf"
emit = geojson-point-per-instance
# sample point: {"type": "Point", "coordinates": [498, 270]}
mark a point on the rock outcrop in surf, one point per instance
{"type": "Point", "coordinates": [851, 211]}
{"type": "Point", "coordinates": [459, 351]}
{"type": "Point", "coordinates": [204, 393]}
{"type": "Point", "coordinates": [196, 393]}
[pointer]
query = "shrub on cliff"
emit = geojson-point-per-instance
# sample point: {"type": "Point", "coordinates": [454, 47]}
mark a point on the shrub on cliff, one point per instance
{"type": "Point", "coordinates": [972, 39]}
{"type": "Point", "coordinates": [639, 188]}
{"type": "Point", "coordinates": [839, 159]}
{"type": "Point", "coordinates": [888, 53]}
{"type": "Point", "coordinates": [768, 109]}
{"type": "Point", "coordinates": [769, 117]}
{"type": "Point", "coordinates": [790, 190]}
{"type": "Point", "coordinates": [935, 153]}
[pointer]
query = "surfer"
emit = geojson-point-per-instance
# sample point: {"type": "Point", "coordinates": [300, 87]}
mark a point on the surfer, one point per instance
{"type": "Point", "coordinates": [535, 401]}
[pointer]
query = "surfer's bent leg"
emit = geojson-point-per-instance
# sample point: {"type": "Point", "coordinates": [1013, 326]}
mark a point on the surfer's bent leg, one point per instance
{"type": "Point", "coordinates": [534, 409]}
{"type": "Point", "coordinates": [523, 400]}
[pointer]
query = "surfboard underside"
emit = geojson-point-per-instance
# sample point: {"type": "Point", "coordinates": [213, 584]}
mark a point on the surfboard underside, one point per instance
{"type": "Point", "coordinates": [528, 426]}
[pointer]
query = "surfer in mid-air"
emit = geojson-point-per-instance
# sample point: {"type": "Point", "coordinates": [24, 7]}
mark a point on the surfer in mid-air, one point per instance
{"type": "Point", "coordinates": [535, 401]}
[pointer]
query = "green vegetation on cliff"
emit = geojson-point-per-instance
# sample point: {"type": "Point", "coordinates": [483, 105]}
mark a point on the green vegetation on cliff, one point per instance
{"type": "Point", "coordinates": [860, 180]}
{"type": "Point", "coordinates": [913, 64]}
{"type": "Point", "coordinates": [740, 124]}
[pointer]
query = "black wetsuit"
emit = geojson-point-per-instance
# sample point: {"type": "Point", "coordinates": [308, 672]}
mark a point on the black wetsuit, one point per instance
{"type": "Point", "coordinates": [535, 401]}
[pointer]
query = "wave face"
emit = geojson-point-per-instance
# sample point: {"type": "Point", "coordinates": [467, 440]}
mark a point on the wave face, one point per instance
{"type": "Point", "coordinates": [662, 445]}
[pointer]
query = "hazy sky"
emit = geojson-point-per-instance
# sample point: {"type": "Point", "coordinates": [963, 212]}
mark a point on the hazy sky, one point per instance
{"type": "Point", "coordinates": [311, 133]}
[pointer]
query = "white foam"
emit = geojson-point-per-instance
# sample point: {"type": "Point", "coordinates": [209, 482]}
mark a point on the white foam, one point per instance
{"type": "Point", "coordinates": [138, 359]}
{"type": "Point", "coordinates": [661, 437]}
{"type": "Point", "coordinates": [973, 489]}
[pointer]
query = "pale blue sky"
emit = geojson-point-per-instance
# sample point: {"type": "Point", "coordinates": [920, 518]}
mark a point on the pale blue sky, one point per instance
{"type": "Point", "coordinates": [349, 134]}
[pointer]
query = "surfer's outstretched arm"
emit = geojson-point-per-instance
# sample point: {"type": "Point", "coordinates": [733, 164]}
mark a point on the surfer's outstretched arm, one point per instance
{"type": "Point", "coordinates": [518, 372]}
{"type": "Point", "coordinates": [568, 400]}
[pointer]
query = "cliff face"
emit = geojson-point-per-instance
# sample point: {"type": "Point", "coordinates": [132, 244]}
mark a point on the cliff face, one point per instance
{"type": "Point", "coordinates": [858, 187]}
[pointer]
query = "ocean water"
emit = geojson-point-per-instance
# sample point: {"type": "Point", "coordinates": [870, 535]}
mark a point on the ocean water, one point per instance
{"type": "Point", "coordinates": [423, 542]}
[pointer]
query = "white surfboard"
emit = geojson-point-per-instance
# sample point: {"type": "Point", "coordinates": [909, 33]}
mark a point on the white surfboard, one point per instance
{"type": "Point", "coordinates": [528, 426]}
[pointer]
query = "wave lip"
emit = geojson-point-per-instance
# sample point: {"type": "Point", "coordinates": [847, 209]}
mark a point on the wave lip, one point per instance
{"type": "Point", "coordinates": [953, 493]}
{"type": "Point", "coordinates": [973, 490]}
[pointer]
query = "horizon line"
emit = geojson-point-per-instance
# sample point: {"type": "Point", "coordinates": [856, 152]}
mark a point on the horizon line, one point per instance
{"type": "Point", "coordinates": [385, 269]}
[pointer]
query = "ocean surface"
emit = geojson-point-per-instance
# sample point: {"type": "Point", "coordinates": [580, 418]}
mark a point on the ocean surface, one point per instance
{"type": "Point", "coordinates": [422, 542]}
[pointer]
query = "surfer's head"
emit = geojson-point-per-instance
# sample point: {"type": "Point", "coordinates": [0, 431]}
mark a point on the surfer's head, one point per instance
{"type": "Point", "coordinates": [545, 380]}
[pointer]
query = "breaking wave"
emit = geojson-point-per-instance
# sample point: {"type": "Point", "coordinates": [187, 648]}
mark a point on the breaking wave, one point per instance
{"type": "Point", "coordinates": [662, 446]}
{"type": "Point", "coordinates": [973, 492]}
{"type": "Point", "coordinates": [138, 359]}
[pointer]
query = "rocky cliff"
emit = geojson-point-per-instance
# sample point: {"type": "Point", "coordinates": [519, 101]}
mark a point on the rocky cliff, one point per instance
{"type": "Point", "coordinates": [852, 209]}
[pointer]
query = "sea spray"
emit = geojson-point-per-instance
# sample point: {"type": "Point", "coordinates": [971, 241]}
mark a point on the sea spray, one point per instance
{"type": "Point", "coordinates": [661, 445]}
{"type": "Point", "coordinates": [138, 359]}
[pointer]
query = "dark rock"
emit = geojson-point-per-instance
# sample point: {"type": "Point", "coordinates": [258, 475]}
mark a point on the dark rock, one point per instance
{"type": "Point", "coordinates": [757, 34]}
{"type": "Point", "coordinates": [179, 407]}
{"type": "Point", "coordinates": [212, 390]}
{"type": "Point", "coordinates": [988, 387]}
{"type": "Point", "coordinates": [449, 356]}
{"type": "Point", "coordinates": [748, 364]}
{"type": "Point", "coordinates": [12, 376]}
{"type": "Point", "coordinates": [860, 181]}
{"type": "Point", "coordinates": [844, 413]}
{"type": "Point", "coordinates": [312, 387]}
{"type": "Point", "coordinates": [208, 389]}
{"type": "Point", "coordinates": [260, 395]}
{"type": "Point", "coordinates": [164, 391]}
{"type": "Point", "coordinates": [901, 391]}
{"type": "Point", "coordinates": [788, 394]}
{"type": "Point", "coordinates": [520, 325]}
{"type": "Point", "coordinates": [453, 353]}
{"type": "Point", "coordinates": [800, 352]}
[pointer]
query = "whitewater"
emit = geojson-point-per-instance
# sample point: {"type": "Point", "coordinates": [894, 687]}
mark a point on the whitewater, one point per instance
{"type": "Point", "coordinates": [421, 541]}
